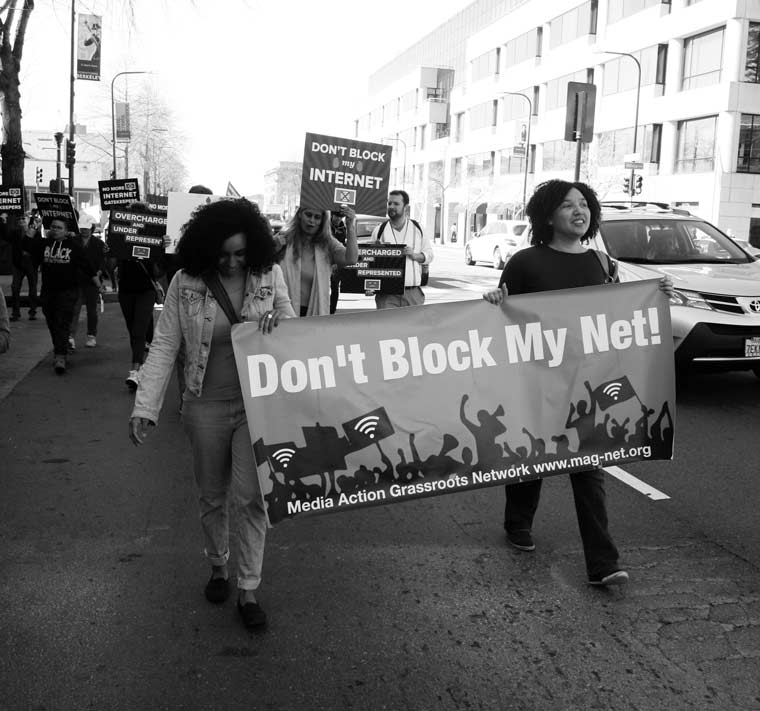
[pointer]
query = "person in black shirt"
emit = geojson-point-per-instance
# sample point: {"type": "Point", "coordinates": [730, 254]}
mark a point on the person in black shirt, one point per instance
{"type": "Point", "coordinates": [563, 216]}
{"type": "Point", "coordinates": [63, 259]}
{"type": "Point", "coordinates": [338, 229]}
{"type": "Point", "coordinates": [19, 235]}
{"type": "Point", "coordinates": [95, 250]}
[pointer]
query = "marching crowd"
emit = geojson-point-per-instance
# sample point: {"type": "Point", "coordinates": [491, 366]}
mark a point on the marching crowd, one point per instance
{"type": "Point", "coordinates": [230, 267]}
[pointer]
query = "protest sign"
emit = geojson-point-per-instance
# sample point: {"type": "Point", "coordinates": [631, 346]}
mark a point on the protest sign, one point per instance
{"type": "Point", "coordinates": [180, 207]}
{"type": "Point", "coordinates": [118, 193]}
{"type": "Point", "coordinates": [12, 199]}
{"type": "Point", "coordinates": [88, 47]}
{"type": "Point", "coordinates": [56, 205]}
{"type": "Point", "coordinates": [381, 267]}
{"type": "Point", "coordinates": [339, 171]}
{"type": "Point", "coordinates": [157, 203]}
{"type": "Point", "coordinates": [138, 235]}
{"type": "Point", "coordinates": [355, 410]}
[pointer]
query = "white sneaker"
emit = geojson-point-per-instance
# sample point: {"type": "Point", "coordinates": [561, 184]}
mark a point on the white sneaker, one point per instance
{"type": "Point", "coordinates": [91, 342]}
{"type": "Point", "coordinates": [72, 343]}
{"type": "Point", "coordinates": [133, 379]}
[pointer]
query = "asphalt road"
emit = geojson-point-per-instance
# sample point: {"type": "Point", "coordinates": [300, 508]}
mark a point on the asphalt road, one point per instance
{"type": "Point", "coordinates": [412, 606]}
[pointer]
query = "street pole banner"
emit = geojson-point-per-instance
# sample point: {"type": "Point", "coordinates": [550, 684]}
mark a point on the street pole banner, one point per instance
{"type": "Point", "coordinates": [123, 128]}
{"type": "Point", "coordinates": [381, 267]}
{"type": "Point", "coordinates": [356, 410]}
{"type": "Point", "coordinates": [88, 47]}
{"type": "Point", "coordinates": [136, 235]}
{"type": "Point", "coordinates": [180, 208]}
{"type": "Point", "coordinates": [12, 199]}
{"type": "Point", "coordinates": [341, 171]}
{"type": "Point", "coordinates": [118, 193]}
{"type": "Point", "coordinates": [53, 205]}
{"type": "Point", "coordinates": [157, 203]}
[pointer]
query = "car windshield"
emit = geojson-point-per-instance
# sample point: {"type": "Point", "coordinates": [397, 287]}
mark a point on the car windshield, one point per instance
{"type": "Point", "coordinates": [672, 241]}
{"type": "Point", "coordinates": [364, 226]}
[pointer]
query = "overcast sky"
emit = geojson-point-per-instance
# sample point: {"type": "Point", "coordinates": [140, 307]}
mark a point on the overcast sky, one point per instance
{"type": "Point", "coordinates": [246, 79]}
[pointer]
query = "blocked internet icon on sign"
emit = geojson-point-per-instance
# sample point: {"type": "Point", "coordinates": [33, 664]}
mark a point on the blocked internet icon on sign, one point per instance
{"type": "Point", "coordinates": [345, 196]}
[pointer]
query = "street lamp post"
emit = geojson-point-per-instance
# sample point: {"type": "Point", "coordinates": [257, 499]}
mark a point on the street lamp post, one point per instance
{"type": "Point", "coordinates": [113, 118]}
{"type": "Point", "coordinates": [527, 145]}
{"type": "Point", "coordinates": [636, 118]}
{"type": "Point", "coordinates": [58, 141]}
{"type": "Point", "coordinates": [403, 168]}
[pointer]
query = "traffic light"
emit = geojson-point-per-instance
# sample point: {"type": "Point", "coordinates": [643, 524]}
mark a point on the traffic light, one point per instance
{"type": "Point", "coordinates": [71, 150]}
{"type": "Point", "coordinates": [627, 185]}
{"type": "Point", "coordinates": [639, 184]}
{"type": "Point", "coordinates": [39, 175]}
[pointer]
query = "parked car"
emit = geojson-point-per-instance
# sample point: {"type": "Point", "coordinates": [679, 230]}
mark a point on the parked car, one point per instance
{"type": "Point", "coordinates": [496, 242]}
{"type": "Point", "coordinates": [715, 311]}
{"type": "Point", "coordinates": [365, 225]}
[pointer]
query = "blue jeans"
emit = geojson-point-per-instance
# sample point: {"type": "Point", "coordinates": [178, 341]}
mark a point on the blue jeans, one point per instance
{"type": "Point", "coordinates": [225, 472]}
{"type": "Point", "coordinates": [590, 508]}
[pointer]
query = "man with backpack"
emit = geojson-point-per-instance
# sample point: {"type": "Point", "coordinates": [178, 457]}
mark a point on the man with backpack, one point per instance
{"type": "Point", "coordinates": [399, 228]}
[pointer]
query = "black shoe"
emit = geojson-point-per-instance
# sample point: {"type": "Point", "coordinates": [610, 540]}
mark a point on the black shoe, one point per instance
{"type": "Point", "coordinates": [616, 577]}
{"type": "Point", "coordinates": [521, 539]}
{"type": "Point", "coordinates": [252, 615]}
{"type": "Point", "coordinates": [15, 317]}
{"type": "Point", "coordinates": [217, 590]}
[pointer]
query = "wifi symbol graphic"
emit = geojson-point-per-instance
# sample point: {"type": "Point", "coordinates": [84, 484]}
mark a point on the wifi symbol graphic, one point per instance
{"type": "Point", "coordinates": [367, 425]}
{"type": "Point", "coordinates": [612, 390]}
{"type": "Point", "coordinates": [283, 456]}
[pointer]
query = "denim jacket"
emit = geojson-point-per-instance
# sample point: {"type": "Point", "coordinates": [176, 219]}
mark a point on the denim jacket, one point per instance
{"type": "Point", "coordinates": [187, 320]}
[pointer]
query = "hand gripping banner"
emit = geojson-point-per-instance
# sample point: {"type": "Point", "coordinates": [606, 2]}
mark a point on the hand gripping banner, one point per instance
{"type": "Point", "coordinates": [374, 408]}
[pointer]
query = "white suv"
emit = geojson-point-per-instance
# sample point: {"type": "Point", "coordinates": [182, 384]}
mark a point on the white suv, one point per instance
{"type": "Point", "coordinates": [716, 309]}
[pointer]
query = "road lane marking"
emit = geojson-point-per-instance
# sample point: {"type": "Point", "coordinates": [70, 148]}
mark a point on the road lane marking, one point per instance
{"type": "Point", "coordinates": [641, 486]}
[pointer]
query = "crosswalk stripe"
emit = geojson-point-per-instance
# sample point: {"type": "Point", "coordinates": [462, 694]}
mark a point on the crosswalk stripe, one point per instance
{"type": "Point", "coordinates": [640, 486]}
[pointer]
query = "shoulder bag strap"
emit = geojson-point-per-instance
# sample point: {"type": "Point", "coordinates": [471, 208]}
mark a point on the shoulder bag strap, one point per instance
{"type": "Point", "coordinates": [609, 266]}
{"type": "Point", "coordinates": [220, 294]}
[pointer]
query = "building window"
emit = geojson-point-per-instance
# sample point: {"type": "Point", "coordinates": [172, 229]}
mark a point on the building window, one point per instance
{"type": "Point", "coordinates": [696, 145]}
{"type": "Point", "coordinates": [556, 89]}
{"type": "Point", "coordinates": [459, 127]}
{"type": "Point", "coordinates": [618, 9]}
{"type": "Point", "coordinates": [612, 146]}
{"type": "Point", "coordinates": [480, 165]}
{"type": "Point", "coordinates": [486, 65]}
{"type": "Point", "coordinates": [521, 48]}
{"type": "Point", "coordinates": [578, 22]}
{"type": "Point", "coordinates": [621, 74]}
{"type": "Point", "coordinates": [749, 144]}
{"type": "Point", "coordinates": [483, 115]}
{"type": "Point", "coordinates": [559, 155]}
{"type": "Point", "coordinates": [440, 130]}
{"type": "Point", "coordinates": [456, 171]}
{"type": "Point", "coordinates": [752, 66]}
{"type": "Point", "coordinates": [515, 107]}
{"type": "Point", "coordinates": [408, 101]}
{"type": "Point", "coordinates": [702, 59]}
{"type": "Point", "coordinates": [511, 164]}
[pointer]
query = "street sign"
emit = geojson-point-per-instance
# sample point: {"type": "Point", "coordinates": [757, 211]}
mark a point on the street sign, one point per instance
{"type": "Point", "coordinates": [631, 165]}
{"type": "Point", "coordinates": [579, 120]}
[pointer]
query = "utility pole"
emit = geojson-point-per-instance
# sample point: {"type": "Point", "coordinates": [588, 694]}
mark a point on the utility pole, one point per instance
{"type": "Point", "coordinates": [70, 149]}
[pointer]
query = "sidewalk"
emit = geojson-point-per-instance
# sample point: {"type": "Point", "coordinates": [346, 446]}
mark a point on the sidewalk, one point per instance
{"type": "Point", "coordinates": [412, 607]}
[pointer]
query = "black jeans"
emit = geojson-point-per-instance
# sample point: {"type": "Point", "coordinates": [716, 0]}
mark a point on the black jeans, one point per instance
{"type": "Point", "coordinates": [590, 508]}
{"type": "Point", "coordinates": [58, 307]}
{"type": "Point", "coordinates": [88, 295]}
{"type": "Point", "coordinates": [25, 270]}
{"type": "Point", "coordinates": [137, 307]}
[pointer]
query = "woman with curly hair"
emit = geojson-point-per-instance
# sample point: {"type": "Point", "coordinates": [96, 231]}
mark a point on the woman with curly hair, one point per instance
{"type": "Point", "coordinates": [563, 216]}
{"type": "Point", "coordinates": [309, 252]}
{"type": "Point", "coordinates": [228, 274]}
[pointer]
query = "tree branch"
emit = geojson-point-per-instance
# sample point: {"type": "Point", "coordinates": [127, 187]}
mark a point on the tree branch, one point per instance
{"type": "Point", "coordinates": [18, 44]}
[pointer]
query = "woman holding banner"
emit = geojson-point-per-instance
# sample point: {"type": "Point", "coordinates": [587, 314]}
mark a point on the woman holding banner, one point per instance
{"type": "Point", "coordinates": [564, 216]}
{"type": "Point", "coordinates": [308, 253]}
{"type": "Point", "coordinates": [228, 273]}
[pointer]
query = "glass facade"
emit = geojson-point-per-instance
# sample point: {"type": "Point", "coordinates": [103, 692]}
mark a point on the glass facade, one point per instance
{"type": "Point", "coordinates": [578, 22]}
{"type": "Point", "coordinates": [702, 59]}
{"type": "Point", "coordinates": [696, 145]}
{"type": "Point", "coordinates": [620, 9]}
{"type": "Point", "coordinates": [748, 160]}
{"type": "Point", "coordinates": [752, 64]}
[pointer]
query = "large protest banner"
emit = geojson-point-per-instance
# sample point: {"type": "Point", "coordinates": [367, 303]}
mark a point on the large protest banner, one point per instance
{"type": "Point", "coordinates": [339, 171]}
{"type": "Point", "coordinates": [56, 205]}
{"type": "Point", "coordinates": [350, 410]}
{"type": "Point", "coordinates": [136, 235]}
{"type": "Point", "coordinates": [88, 47]}
{"type": "Point", "coordinates": [179, 208]}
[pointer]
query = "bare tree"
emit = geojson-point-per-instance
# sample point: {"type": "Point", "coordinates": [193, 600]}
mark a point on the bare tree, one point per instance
{"type": "Point", "coordinates": [13, 24]}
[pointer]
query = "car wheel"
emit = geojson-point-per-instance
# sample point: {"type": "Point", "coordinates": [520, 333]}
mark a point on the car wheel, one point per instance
{"type": "Point", "coordinates": [498, 262]}
{"type": "Point", "coordinates": [468, 260]}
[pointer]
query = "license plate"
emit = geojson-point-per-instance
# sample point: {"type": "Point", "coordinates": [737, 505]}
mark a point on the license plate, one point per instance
{"type": "Point", "coordinates": [752, 347]}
